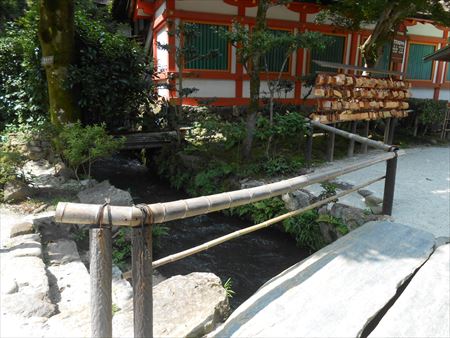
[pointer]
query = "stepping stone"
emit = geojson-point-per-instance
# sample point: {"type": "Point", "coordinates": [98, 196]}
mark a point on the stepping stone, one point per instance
{"type": "Point", "coordinates": [423, 309]}
{"type": "Point", "coordinates": [336, 291]}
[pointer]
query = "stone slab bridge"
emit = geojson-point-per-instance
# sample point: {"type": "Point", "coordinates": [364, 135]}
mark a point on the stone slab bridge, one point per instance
{"type": "Point", "coordinates": [383, 279]}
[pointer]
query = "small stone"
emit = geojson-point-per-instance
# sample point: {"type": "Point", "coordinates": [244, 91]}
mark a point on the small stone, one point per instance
{"type": "Point", "coordinates": [246, 183]}
{"type": "Point", "coordinates": [376, 209]}
{"type": "Point", "coordinates": [372, 200]}
{"type": "Point", "coordinates": [365, 192]}
{"type": "Point", "coordinates": [297, 199]}
{"type": "Point", "coordinates": [22, 228]}
{"type": "Point", "coordinates": [342, 184]}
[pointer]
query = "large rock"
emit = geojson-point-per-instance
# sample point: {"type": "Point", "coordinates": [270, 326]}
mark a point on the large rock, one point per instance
{"type": "Point", "coordinates": [338, 290]}
{"type": "Point", "coordinates": [183, 306]}
{"type": "Point", "coordinates": [16, 191]}
{"type": "Point", "coordinates": [98, 193]}
{"type": "Point", "coordinates": [189, 306]}
{"type": "Point", "coordinates": [352, 217]}
{"type": "Point", "coordinates": [22, 228]}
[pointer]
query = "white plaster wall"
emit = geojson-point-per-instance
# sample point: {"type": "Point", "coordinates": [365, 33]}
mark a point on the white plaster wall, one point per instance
{"type": "Point", "coordinates": [211, 87]}
{"type": "Point", "coordinates": [426, 29]}
{"type": "Point", "coordinates": [160, 10]}
{"type": "Point", "coordinates": [206, 6]}
{"type": "Point", "coordinates": [305, 91]}
{"type": "Point", "coordinates": [162, 55]}
{"type": "Point", "coordinates": [275, 12]}
{"type": "Point", "coordinates": [422, 93]}
{"type": "Point", "coordinates": [264, 91]}
{"type": "Point", "coordinates": [444, 94]}
{"type": "Point", "coordinates": [164, 92]}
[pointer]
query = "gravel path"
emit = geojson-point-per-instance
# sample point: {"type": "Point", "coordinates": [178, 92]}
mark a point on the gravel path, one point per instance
{"type": "Point", "coordinates": [422, 192]}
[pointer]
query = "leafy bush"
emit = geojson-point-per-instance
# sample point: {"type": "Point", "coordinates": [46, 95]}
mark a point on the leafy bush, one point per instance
{"type": "Point", "coordinates": [260, 211]}
{"type": "Point", "coordinates": [10, 163]}
{"type": "Point", "coordinates": [111, 72]}
{"type": "Point", "coordinates": [81, 146]}
{"type": "Point", "coordinates": [305, 229]}
{"type": "Point", "coordinates": [284, 126]}
{"type": "Point", "coordinates": [429, 111]}
{"type": "Point", "coordinates": [23, 90]}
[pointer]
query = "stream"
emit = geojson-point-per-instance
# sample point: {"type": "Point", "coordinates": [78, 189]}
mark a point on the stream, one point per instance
{"type": "Point", "coordinates": [249, 261]}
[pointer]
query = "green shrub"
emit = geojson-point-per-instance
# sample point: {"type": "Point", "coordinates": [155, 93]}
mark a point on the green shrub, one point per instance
{"type": "Point", "coordinates": [81, 146]}
{"type": "Point", "coordinates": [429, 111]}
{"type": "Point", "coordinates": [10, 164]}
{"type": "Point", "coordinates": [109, 77]}
{"type": "Point", "coordinates": [305, 229]}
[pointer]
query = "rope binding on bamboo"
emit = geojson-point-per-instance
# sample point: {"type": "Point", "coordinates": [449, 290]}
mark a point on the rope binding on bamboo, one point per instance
{"type": "Point", "coordinates": [99, 218]}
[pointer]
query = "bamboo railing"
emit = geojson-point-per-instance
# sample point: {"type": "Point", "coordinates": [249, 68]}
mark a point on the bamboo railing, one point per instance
{"type": "Point", "coordinates": [141, 218]}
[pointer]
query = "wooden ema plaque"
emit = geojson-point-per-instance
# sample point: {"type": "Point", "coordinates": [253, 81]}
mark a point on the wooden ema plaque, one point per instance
{"type": "Point", "coordinates": [345, 97]}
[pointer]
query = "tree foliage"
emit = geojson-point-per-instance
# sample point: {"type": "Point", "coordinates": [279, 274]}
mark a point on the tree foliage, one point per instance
{"type": "Point", "coordinates": [110, 74]}
{"type": "Point", "coordinates": [387, 16]}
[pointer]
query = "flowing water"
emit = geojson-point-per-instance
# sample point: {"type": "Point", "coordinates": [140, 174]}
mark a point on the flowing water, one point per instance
{"type": "Point", "coordinates": [249, 261]}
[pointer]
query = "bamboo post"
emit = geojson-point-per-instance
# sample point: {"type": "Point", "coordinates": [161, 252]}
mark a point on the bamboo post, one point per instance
{"type": "Point", "coordinates": [330, 144]}
{"type": "Point", "coordinates": [392, 130]}
{"type": "Point", "coordinates": [142, 272]}
{"type": "Point", "coordinates": [386, 130]}
{"type": "Point", "coordinates": [351, 145]}
{"type": "Point", "coordinates": [389, 186]}
{"type": "Point", "coordinates": [101, 282]}
{"type": "Point", "coordinates": [308, 148]}
{"type": "Point", "coordinates": [365, 134]}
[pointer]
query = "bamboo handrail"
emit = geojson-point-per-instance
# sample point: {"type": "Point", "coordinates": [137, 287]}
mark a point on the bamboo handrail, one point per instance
{"type": "Point", "coordinates": [77, 213]}
{"type": "Point", "coordinates": [360, 139]}
{"type": "Point", "coordinates": [205, 246]}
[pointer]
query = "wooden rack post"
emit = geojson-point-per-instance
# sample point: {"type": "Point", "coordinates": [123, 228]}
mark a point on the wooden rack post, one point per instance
{"type": "Point", "coordinates": [330, 144]}
{"type": "Point", "coordinates": [142, 272]}
{"type": "Point", "coordinates": [308, 149]}
{"type": "Point", "coordinates": [100, 246]}
{"type": "Point", "coordinates": [351, 145]}
{"type": "Point", "coordinates": [365, 134]}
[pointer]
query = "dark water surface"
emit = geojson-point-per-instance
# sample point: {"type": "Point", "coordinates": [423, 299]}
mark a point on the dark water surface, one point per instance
{"type": "Point", "coordinates": [249, 261]}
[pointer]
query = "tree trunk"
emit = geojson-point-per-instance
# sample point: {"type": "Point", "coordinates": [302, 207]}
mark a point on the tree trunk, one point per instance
{"type": "Point", "coordinates": [56, 35]}
{"type": "Point", "coordinates": [384, 30]}
{"type": "Point", "coordinates": [255, 81]}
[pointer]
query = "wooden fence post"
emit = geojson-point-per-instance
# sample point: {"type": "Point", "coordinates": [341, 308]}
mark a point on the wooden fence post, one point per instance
{"type": "Point", "coordinates": [308, 148]}
{"type": "Point", "coordinates": [142, 281]}
{"type": "Point", "coordinates": [330, 144]}
{"type": "Point", "coordinates": [101, 282]}
{"type": "Point", "coordinates": [389, 186]}
{"type": "Point", "coordinates": [351, 145]}
{"type": "Point", "coordinates": [365, 134]}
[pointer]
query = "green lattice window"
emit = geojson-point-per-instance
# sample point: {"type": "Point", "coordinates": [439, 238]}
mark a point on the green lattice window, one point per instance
{"type": "Point", "coordinates": [417, 69]}
{"type": "Point", "coordinates": [275, 58]}
{"type": "Point", "coordinates": [333, 52]}
{"type": "Point", "coordinates": [206, 39]}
